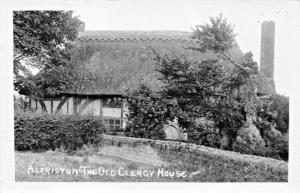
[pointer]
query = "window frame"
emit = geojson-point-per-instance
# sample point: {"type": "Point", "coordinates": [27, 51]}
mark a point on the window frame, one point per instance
{"type": "Point", "coordinates": [112, 126]}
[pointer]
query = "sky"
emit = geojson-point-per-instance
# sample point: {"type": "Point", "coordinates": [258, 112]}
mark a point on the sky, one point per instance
{"type": "Point", "coordinates": [246, 15]}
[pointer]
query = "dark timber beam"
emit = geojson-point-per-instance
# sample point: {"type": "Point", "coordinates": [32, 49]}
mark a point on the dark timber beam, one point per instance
{"type": "Point", "coordinates": [61, 104]}
{"type": "Point", "coordinates": [44, 109]}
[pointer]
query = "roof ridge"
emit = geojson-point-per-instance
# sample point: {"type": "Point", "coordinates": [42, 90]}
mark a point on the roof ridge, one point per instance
{"type": "Point", "coordinates": [119, 35]}
{"type": "Point", "coordinates": [135, 32]}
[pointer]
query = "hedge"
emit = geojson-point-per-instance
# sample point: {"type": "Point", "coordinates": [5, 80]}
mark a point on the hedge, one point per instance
{"type": "Point", "coordinates": [44, 132]}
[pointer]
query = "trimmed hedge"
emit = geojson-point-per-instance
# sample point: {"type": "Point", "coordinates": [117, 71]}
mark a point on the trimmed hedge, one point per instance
{"type": "Point", "coordinates": [44, 132]}
{"type": "Point", "coordinates": [219, 165]}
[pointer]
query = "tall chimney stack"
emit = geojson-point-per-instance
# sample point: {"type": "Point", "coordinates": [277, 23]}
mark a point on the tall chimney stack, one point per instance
{"type": "Point", "coordinates": [267, 50]}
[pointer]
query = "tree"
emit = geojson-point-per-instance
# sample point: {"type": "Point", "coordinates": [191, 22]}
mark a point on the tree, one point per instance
{"type": "Point", "coordinates": [203, 90]}
{"type": "Point", "coordinates": [218, 108]}
{"type": "Point", "coordinates": [218, 37]}
{"type": "Point", "coordinates": [43, 40]}
{"type": "Point", "coordinates": [205, 106]}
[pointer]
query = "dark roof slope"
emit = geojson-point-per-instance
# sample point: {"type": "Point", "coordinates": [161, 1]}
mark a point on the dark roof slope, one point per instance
{"type": "Point", "coordinates": [120, 57]}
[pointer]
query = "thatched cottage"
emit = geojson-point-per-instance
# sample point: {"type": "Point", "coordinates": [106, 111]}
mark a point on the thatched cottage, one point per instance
{"type": "Point", "coordinates": [118, 57]}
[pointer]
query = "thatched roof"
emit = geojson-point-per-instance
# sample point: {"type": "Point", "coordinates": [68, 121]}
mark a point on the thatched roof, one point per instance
{"type": "Point", "coordinates": [118, 58]}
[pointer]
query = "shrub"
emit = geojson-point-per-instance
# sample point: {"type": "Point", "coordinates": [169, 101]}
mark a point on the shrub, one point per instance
{"type": "Point", "coordinates": [273, 123]}
{"type": "Point", "coordinates": [281, 147]}
{"type": "Point", "coordinates": [278, 149]}
{"type": "Point", "coordinates": [205, 133]}
{"type": "Point", "coordinates": [148, 112]}
{"type": "Point", "coordinates": [280, 105]}
{"type": "Point", "coordinates": [42, 133]}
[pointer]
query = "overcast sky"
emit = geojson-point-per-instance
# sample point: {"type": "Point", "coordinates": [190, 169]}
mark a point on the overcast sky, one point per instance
{"type": "Point", "coordinates": [184, 15]}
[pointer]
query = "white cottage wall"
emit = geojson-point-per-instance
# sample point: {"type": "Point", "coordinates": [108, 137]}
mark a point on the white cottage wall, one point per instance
{"type": "Point", "coordinates": [39, 107]}
{"type": "Point", "coordinates": [111, 112]}
{"type": "Point", "coordinates": [70, 110]}
{"type": "Point", "coordinates": [92, 109]}
{"type": "Point", "coordinates": [48, 106]}
{"type": "Point", "coordinates": [55, 105]}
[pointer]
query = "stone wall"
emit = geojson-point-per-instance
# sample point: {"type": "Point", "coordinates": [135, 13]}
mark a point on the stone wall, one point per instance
{"type": "Point", "coordinates": [227, 165]}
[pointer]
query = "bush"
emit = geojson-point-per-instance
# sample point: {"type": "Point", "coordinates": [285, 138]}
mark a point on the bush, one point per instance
{"type": "Point", "coordinates": [279, 149]}
{"type": "Point", "coordinates": [204, 132]}
{"type": "Point", "coordinates": [282, 149]}
{"type": "Point", "coordinates": [280, 105]}
{"type": "Point", "coordinates": [148, 113]}
{"type": "Point", "coordinates": [273, 123]}
{"type": "Point", "coordinates": [42, 133]}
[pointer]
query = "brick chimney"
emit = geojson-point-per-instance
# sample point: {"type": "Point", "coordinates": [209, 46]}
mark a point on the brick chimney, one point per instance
{"type": "Point", "coordinates": [267, 50]}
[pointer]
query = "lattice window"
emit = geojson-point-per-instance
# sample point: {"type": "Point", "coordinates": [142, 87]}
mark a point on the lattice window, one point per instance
{"type": "Point", "coordinates": [113, 124]}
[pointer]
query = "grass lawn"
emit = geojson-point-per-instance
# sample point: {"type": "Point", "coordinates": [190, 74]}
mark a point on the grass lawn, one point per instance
{"type": "Point", "coordinates": [53, 165]}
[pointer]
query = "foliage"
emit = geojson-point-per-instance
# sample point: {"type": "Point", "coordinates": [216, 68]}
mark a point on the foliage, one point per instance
{"type": "Point", "coordinates": [260, 134]}
{"type": "Point", "coordinates": [216, 107]}
{"type": "Point", "coordinates": [216, 36]}
{"type": "Point", "coordinates": [202, 89]}
{"type": "Point", "coordinates": [49, 81]}
{"type": "Point", "coordinates": [278, 149]}
{"type": "Point", "coordinates": [148, 112]}
{"type": "Point", "coordinates": [43, 40]}
{"type": "Point", "coordinates": [273, 124]}
{"type": "Point", "coordinates": [42, 133]}
{"type": "Point", "coordinates": [199, 89]}
{"type": "Point", "coordinates": [280, 105]}
{"type": "Point", "coordinates": [281, 148]}
{"type": "Point", "coordinates": [205, 133]}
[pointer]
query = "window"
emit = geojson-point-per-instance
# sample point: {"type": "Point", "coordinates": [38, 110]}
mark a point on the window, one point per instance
{"type": "Point", "coordinates": [112, 102]}
{"type": "Point", "coordinates": [113, 124]}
